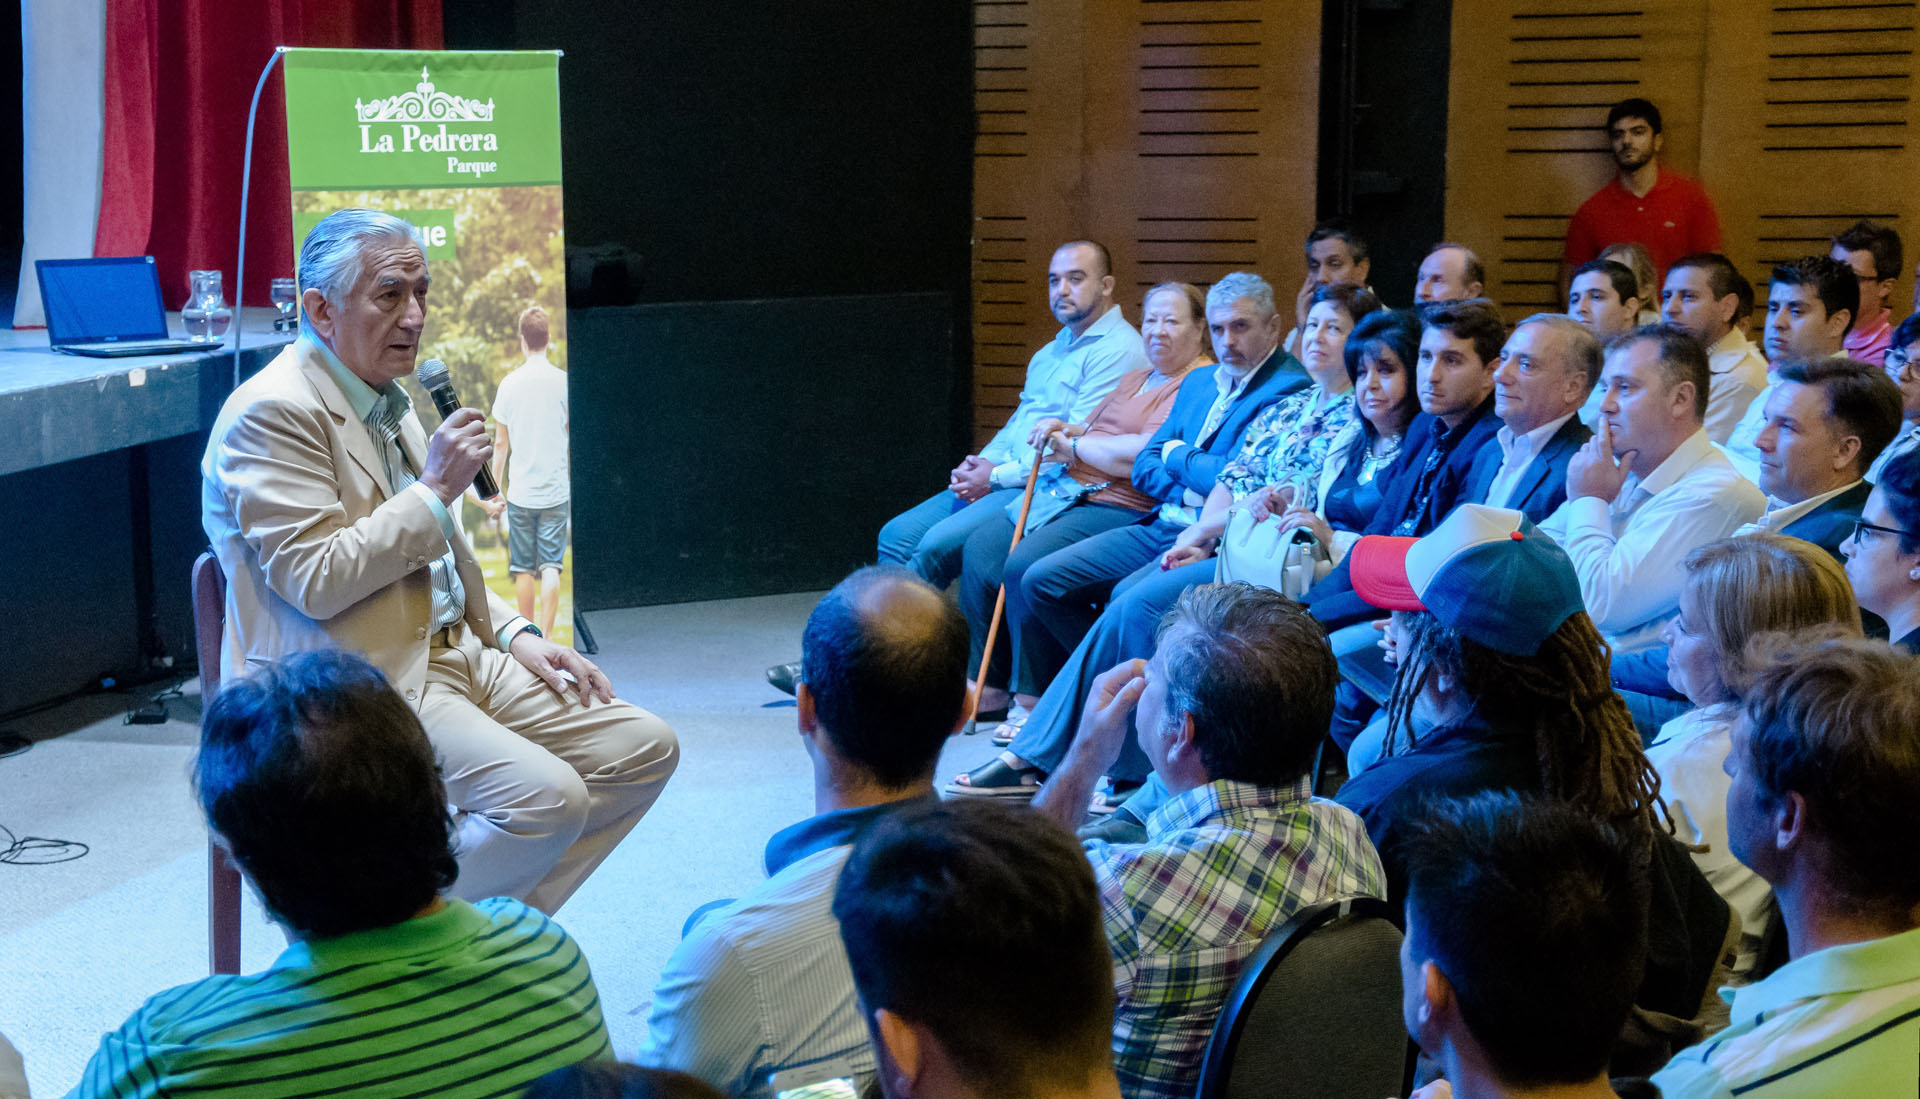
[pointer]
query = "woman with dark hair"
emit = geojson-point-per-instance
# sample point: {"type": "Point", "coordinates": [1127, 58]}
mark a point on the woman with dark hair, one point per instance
{"type": "Point", "coordinates": [1297, 463]}
{"type": "Point", "coordinates": [1380, 359]}
{"type": "Point", "coordinates": [1903, 366]}
{"type": "Point", "coordinates": [1883, 552]}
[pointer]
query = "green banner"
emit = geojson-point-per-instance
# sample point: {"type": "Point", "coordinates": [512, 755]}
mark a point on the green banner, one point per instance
{"type": "Point", "coordinates": [407, 118]}
{"type": "Point", "coordinates": [466, 147]}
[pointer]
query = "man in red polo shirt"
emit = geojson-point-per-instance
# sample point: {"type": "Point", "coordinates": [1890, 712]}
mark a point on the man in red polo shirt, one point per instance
{"type": "Point", "coordinates": [1663, 210]}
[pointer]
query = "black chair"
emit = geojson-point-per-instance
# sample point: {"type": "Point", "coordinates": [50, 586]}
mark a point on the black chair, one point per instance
{"type": "Point", "coordinates": [1316, 1013]}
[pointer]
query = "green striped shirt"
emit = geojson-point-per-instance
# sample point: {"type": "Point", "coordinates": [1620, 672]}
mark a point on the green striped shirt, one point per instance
{"type": "Point", "coordinates": [1844, 1021]}
{"type": "Point", "coordinates": [472, 1000]}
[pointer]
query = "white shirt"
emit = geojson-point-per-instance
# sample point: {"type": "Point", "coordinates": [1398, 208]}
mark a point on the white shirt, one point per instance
{"type": "Point", "coordinates": [1628, 553]}
{"type": "Point", "coordinates": [1780, 514]}
{"type": "Point", "coordinates": [1067, 378]}
{"type": "Point", "coordinates": [532, 402]}
{"type": "Point", "coordinates": [1739, 376]}
{"type": "Point", "coordinates": [1907, 440]}
{"type": "Point", "coordinates": [1517, 453]}
{"type": "Point", "coordinates": [1688, 754]}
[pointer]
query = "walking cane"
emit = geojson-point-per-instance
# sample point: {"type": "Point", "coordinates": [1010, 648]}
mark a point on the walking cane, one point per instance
{"type": "Point", "coordinates": [1000, 601]}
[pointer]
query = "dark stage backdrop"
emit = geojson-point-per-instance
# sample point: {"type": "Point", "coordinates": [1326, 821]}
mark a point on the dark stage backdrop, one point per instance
{"type": "Point", "coordinates": [834, 412]}
{"type": "Point", "coordinates": [809, 166]}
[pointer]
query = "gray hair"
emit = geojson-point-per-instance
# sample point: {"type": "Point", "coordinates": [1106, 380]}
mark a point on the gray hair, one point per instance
{"type": "Point", "coordinates": [330, 259]}
{"type": "Point", "coordinates": [1241, 284]}
{"type": "Point", "coordinates": [1583, 347]}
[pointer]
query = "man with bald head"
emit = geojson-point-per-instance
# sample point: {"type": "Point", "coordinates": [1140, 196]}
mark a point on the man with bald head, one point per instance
{"type": "Point", "coordinates": [762, 986]}
{"type": "Point", "coordinates": [1066, 379]}
{"type": "Point", "coordinates": [1451, 272]}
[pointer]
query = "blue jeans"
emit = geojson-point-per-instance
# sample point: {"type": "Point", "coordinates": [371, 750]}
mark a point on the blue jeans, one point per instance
{"type": "Point", "coordinates": [1126, 630]}
{"type": "Point", "coordinates": [1061, 595]}
{"type": "Point", "coordinates": [1025, 656]}
{"type": "Point", "coordinates": [929, 536]}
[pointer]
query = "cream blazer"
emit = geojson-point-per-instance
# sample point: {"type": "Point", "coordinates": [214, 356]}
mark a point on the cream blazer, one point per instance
{"type": "Point", "coordinates": [317, 549]}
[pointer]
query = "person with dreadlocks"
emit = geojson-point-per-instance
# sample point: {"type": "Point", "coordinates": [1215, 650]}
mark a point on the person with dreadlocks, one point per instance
{"type": "Point", "coordinates": [1502, 685]}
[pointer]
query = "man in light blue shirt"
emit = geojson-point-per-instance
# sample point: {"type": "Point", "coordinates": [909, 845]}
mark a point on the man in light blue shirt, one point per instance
{"type": "Point", "coordinates": [1066, 379]}
{"type": "Point", "coordinates": [762, 986]}
{"type": "Point", "coordinates": [1824, 765]}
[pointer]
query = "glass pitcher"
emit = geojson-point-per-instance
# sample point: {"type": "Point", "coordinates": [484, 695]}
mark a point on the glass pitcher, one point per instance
{"type": "Point", "coordinates": [206, 313]}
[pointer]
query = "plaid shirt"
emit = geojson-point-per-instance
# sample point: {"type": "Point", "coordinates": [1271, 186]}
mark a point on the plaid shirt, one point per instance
{"type": "Point", "coordinates": [1223, 866]}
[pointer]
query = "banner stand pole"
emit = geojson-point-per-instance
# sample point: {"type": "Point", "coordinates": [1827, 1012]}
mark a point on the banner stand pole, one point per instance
{"type": "Point", "coordinates": [246, 184]}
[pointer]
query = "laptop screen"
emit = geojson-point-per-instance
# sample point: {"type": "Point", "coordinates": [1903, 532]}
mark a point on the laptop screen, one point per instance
{"type": "Point", "coordinates": [101, 300]}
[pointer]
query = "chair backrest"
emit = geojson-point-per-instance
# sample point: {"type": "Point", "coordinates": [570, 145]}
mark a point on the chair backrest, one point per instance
{"type": "Point", "coordinates": [209, 621]}
{"type": "Point", "coordinates": [1316, 1012]}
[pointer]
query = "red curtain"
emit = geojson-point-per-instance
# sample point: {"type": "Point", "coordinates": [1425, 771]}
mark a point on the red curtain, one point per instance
{"type": "Point", "coordinates": [179, 78]}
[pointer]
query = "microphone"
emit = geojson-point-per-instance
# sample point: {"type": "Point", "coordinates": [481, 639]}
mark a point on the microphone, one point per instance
{"type": "Point", "coordinates": [437, 380]}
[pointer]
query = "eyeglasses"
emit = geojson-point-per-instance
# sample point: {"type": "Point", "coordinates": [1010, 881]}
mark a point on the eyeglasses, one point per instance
{"type": "Point", "coordinates": [1896, 361]}
{"type": "Point", "coordinates": [1860, 525]}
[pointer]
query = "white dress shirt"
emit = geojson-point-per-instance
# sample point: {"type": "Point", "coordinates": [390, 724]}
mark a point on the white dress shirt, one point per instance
{"type": "Point", "coordinates": [1067, 378]}
{"type": "Point", "coordinates": [1628, 553]}
{"type": "Point", "coordinates": [1739, 375]}
{"type": "Point", "coordinates": [1517, 453]}
{"type": "Point", "coordinates": [1780, 514]}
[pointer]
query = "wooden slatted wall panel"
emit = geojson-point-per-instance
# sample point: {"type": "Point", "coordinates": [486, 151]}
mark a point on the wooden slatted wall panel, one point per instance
{"type": "Point", "coordinates": [1809, 114]}
{"type": "Point", "coordinates": [1027, 145]}
{"type": "Point", "coordinates": [1528, 95]}
{"type": "Point", "coordinates": [1183, 133]}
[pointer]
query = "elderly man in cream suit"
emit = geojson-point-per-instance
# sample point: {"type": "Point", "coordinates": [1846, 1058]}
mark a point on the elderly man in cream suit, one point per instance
{"type": "Point", "coordinates": [327, 506]}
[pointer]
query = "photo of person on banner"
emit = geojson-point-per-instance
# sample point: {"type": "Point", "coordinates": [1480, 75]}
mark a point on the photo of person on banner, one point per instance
{"type": "Point", "coordinates": [530, 465]}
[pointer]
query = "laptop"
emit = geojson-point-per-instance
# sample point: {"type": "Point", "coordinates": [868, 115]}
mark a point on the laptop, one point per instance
{"type": "Point", "coordinates": [106, 307]}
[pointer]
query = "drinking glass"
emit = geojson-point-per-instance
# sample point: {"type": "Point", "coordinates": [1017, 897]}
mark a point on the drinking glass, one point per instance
{"type": "Point", "coordinates": [287, 300]}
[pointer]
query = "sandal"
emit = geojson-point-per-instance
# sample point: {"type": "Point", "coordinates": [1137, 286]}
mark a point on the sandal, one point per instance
{"type": "Point", "coordinates": [996, 779]}
{"type": "Point", "coordinates": [1004, 732]}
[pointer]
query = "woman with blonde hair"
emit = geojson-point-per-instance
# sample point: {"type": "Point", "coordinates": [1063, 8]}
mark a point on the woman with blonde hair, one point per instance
{"type": "Point", "coordinates": [1737, 589]}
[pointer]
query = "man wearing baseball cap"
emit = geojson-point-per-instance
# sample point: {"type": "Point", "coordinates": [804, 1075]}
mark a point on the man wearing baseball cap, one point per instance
{"type": "Point", "coordinates": [1503, 685]}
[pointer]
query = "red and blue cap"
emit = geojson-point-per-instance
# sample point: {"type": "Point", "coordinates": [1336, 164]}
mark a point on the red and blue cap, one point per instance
{"type": "Point", "coordinates": [1486, 572]}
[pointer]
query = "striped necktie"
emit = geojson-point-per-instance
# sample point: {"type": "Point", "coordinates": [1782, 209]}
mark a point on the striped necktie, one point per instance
{"type": "Point", "coordinates": [386, 434]}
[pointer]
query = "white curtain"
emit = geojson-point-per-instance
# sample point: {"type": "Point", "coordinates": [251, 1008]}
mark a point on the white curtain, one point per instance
{"type": "Point", "coordinates": [63, 70]}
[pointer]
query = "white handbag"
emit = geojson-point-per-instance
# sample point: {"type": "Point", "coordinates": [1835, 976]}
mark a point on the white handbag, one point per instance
{"type": "Point", "coordinates": [1259, 553]}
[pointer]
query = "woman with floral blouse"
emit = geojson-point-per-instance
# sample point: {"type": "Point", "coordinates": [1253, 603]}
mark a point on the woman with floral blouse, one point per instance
{"type": "Point", "coordinates": [1290, 446]}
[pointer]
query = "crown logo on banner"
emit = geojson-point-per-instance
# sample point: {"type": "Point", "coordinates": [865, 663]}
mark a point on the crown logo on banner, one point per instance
{"type": "Point", "coordinates": [425, 104]}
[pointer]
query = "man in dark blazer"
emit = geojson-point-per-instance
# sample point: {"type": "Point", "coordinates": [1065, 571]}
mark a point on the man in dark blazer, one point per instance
{"type": "Point", "coordinates": [1542, 377]}
{"type": "Point", "coordinates": [1460, 346]}
{"type": "Point", "coordinates": [1066, 590]}
{"type": "Point", "coordinates": [1826, 421]}
{"type": "Point", "coordinates": [1546, 370]}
